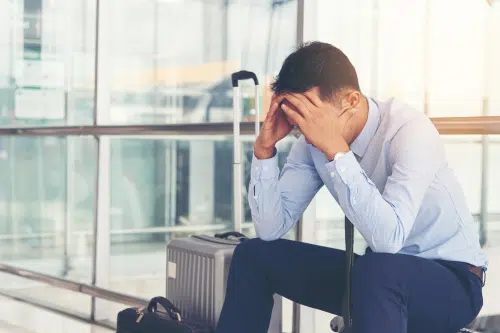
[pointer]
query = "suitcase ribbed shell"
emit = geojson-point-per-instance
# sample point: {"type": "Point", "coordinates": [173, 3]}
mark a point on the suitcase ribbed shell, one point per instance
{"type": "Point", "coordinates": [197, 270]}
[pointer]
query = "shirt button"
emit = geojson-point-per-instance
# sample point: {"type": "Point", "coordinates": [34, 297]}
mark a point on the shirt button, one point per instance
{"type": "Point", "coordinates": [354, 201]}
{"type": "Point", "coordinates": [332, 174]}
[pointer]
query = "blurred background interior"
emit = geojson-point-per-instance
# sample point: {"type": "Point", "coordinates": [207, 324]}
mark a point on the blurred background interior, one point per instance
{"type": "Point", "coordinates": [98, 209]}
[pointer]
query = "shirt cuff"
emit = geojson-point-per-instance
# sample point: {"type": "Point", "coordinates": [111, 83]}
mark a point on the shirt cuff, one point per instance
{"type": "Point", "coordinates": [265, 168]}
{"type": "Point", "coordinates": [346, 167]}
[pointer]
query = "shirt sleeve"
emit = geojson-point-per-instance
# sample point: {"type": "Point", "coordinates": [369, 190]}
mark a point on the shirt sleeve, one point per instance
{"type": "Point", "coordinates": [385, 219]}
{"type": "Point", "coordinates": [277, 200]}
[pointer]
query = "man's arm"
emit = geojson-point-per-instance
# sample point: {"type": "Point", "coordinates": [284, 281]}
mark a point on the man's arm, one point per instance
{"type": "Point", "coordinates": [278, 202]}
{"type": "Point", "coordinates": [385, 220]}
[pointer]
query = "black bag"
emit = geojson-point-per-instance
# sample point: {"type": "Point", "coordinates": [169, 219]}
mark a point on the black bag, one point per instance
{"type": "Point", "coordinates": [152, 320]}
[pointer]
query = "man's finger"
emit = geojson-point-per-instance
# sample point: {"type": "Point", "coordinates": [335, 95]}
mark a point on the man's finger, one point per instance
{"type": "Point", "coordinates": [299, 103]}
{"type": "Point", "coordinates": [278, 98]}
{"type": "Point", "coordinates": [275, 104]}
{"type": "Point", "coordinates": [313, 96]}
{"type": "Point", "coordinates": [294, 115]}
{"type": "Point", "coordinates": [304, 100]}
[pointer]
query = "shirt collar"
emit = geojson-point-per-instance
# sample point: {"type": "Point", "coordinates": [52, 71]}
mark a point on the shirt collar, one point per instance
{"type": "Point", "coordinates": [360, 144]}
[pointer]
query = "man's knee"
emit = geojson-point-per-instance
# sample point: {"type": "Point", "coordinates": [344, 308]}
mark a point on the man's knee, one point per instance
{"type": "Point", "coordinates": [248, 250]}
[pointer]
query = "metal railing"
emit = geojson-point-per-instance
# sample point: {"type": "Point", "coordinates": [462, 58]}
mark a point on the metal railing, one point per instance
{"type": "Point", "coordinates": [74, 286]}
{"type": "Point", "coordinates": [135, 231]}
{"type": "Point", "coordinates": [453, 125]}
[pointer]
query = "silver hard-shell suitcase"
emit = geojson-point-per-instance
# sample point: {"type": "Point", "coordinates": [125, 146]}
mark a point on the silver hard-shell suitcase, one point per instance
{"type": "Point", "coordinates": [198, 266]}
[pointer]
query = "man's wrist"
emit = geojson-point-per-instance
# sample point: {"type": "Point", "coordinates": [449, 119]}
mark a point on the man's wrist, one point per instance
{"type": "Point", "coordinates": [342, 147]}
{"type": "Point", "coordinates": [263, 152]}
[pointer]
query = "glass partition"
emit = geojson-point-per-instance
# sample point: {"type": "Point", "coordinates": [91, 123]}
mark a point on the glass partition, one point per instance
{"type": "Point", "coordinates": [46, 215]}
{"type": "Point", "coordinates": [171, 61]}
{"type": "Point", "coordinates": [420, 52]}
{"type": "Point", "coordinates": [47, 62]}
{"type": "Point", "coordinates": [47, 206]}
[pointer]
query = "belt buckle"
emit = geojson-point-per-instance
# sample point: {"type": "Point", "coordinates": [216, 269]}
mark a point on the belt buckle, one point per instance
{"type": "Point", "coordinates": [480, 272]}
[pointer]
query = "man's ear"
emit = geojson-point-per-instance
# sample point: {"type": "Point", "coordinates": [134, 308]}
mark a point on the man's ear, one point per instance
{"type": "Point", "coordinates": [351, 100]}
{"type": "Point", "coordinates": [354, 98]}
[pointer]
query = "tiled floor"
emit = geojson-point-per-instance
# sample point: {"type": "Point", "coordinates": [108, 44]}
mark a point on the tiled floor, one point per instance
{"type": "Point", "coordinates": [18, 317]}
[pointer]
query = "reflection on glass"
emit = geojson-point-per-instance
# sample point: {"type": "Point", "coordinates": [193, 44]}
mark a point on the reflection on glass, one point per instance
{"type": "Point", "coordinates": [47, 60]}
{"type": "Point", "coordinates": [47, 204]}
{"type": "Point", "coordinates": [431, 61]}
{"type": "Point", "coordinates": [163, 77]}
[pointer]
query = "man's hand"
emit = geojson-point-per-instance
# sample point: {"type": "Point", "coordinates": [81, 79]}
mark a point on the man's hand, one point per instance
{"type": "Point", "coordinates": [319, 122]}
{"type": "Point", "coordinates": [274, 128]}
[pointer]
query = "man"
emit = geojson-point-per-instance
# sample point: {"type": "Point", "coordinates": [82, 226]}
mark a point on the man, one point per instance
{"type": "Point", "coordinates": [384, 163]}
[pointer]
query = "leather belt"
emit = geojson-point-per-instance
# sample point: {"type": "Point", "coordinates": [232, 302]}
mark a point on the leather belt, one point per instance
{"type": "Point", "coordinates": [479, 272]}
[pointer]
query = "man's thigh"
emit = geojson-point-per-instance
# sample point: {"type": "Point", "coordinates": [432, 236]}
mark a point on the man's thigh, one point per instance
{"type": "Point", "coordinates": [431, 297]}
{"type": "Point", "coordinates": [308, 274]}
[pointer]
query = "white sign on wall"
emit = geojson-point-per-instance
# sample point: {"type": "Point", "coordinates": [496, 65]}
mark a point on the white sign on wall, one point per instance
{"type": "Point", "coordinates": [39, 104]}
{"type": "Point", "coordinates": [39, 73]}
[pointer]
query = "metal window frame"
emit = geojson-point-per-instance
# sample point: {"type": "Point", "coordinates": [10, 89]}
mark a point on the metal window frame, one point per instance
{"type": "Point", "coordinates": [485, 145]}
{"type": "Point", "coordinates": [478, 125]}
{"type": "Point", "coordinates": [102, 103]}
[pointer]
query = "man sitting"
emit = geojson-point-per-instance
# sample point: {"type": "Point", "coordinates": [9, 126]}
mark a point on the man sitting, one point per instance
{"type": "Point", "coordinates": [385, 165]}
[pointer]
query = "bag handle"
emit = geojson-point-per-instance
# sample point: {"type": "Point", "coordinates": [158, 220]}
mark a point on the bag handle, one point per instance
{"type": "Point", "coordinates": [173, 311]}
{"type": "Point", "coordinates": [228, 234]}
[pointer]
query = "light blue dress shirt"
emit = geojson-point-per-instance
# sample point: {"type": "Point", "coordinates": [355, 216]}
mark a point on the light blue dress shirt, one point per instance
{"type": "Point", "coordinates": [394, 185]}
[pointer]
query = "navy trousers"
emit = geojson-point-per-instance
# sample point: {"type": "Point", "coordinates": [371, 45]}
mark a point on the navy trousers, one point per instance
{"type": "Point", "coordinates": [391, 293]}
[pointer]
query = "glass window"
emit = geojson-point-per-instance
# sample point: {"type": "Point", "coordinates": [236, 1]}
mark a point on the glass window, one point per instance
{"type": "Point", "coordinates": [46, 59]}
{"type": "Point", "coordinates": [421, 52]}
{"type": "Point", "coordinates": [173, 59]}
{"type": "Point", "coordinates": [47, 195]}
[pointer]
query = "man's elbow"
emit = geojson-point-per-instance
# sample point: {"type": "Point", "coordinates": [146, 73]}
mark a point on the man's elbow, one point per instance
{"type": "Point", "coordinates": [269, 228]}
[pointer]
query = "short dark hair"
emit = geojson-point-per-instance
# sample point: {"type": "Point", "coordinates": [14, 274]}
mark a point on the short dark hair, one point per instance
{"type": "Point", "coordinates": [316, 64]}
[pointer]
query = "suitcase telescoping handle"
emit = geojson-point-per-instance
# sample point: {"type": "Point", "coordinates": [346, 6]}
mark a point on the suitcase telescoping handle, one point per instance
{"type": "Point", "coordinates": [237, 111]}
